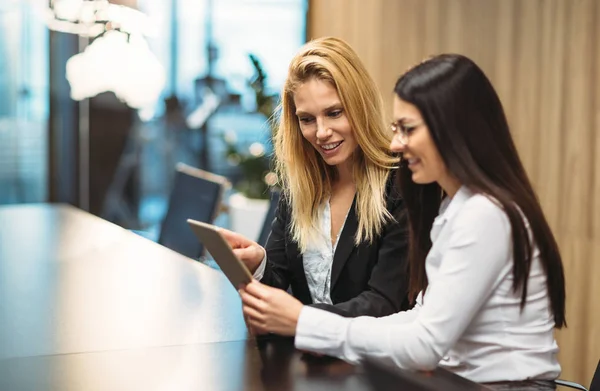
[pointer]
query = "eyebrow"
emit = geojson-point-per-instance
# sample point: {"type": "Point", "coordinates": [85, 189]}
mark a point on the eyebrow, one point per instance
{"type": "Point", "coordinates": [334, 106]}
{"type": "Point", "coordinates": [404, 120]}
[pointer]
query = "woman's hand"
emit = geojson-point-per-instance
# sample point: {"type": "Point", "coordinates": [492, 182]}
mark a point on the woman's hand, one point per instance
{"type": "Point", "coordinates": [270, 310]}
{"type": "Point", "coordinates": [251, 330]}
{"type": "Point", "coordinates": [245, 249]}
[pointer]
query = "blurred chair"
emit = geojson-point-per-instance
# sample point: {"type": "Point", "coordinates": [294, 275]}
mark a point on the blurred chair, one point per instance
{"type": "Point", "coordinates": [594, 386]}
{"type": "Point", "coordinates": [197, 195]}
{"type": "Point", "coordinates": [266, 228]}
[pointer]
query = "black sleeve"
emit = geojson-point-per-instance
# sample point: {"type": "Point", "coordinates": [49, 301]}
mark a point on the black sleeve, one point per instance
{"type": "Point", "coordinates": [277, 271]}
{"type": "Point", "coordinates": [388, 284]}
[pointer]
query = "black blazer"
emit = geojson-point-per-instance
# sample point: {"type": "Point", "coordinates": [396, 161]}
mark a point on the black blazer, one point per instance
{"type": "Point", "coordinates": [368, 279]}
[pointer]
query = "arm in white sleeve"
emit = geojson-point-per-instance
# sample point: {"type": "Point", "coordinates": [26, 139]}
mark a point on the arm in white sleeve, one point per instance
{"type": "Point", "coordinates": [260, 270]}
{"type": "Point", "coordinates": [318, 330]}
{"type": "Point", "coordinates": [479, 248]}
{"type": "Point", "coordinates": [404, 316]}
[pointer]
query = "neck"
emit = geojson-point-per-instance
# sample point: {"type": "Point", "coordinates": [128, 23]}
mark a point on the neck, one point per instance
{"type": "Point", "coordinates": [344, 172]}
{"type": "Point", "coordinates": [450, 185]}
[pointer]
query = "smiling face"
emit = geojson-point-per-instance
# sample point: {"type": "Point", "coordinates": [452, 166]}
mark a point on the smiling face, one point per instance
{"type": "Point", "coordinates": [323, 121]}
{"type": "Point", "coordinates": [418, 149]}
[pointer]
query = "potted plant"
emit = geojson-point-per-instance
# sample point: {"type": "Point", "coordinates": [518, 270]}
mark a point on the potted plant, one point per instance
{"type": "Point", "coordinates": [249, 205]}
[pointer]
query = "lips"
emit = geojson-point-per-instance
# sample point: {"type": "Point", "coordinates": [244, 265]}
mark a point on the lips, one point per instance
{"type": "Point", "coordinates": [411, 162]}
{"type": "Point", "coordinates": [331, 146]}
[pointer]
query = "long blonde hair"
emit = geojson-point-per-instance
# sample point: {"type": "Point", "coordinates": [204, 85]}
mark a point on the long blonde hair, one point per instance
{"type": "Point", "coordinates": [305, 178]}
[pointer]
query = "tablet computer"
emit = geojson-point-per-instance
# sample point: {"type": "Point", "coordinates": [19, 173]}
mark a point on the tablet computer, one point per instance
{"type": "Point", "coordinates": [237, 273]}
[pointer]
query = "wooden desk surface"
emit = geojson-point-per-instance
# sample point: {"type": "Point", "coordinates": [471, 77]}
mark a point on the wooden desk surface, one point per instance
{"type": "Point", "coordinates": [71, 282]}
{"type": "Point", "coordinates": [222, 366]}
{"type": "Point", "coordinates": [87, 305]}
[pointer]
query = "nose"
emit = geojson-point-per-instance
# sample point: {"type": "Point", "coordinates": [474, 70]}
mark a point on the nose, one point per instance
{"type": "Point", "coordinates": [323, 132]}
{"type": "Point", "coordinates": [396, 145]}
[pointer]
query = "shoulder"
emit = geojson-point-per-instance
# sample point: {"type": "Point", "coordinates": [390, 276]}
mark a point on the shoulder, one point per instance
{"type": "Point", "coordinates": [393, 196]}
{"type": "Point", "coordinates": [283, 207]}
{"type": "Point", "coordinates": [482, 204]}
{"type": "Point", "coordinates": [283, 199]}
{"type": "Point", "coordinates": [481, 213]}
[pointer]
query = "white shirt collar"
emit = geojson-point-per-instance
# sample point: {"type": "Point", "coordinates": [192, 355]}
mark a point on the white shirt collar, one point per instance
{"type": "Point", "coordinates": [450, 206]}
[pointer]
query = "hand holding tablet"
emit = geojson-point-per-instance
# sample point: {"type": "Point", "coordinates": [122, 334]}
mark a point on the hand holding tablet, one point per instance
{"type": "Point", "coordinates": [248, 251]}
{"type": "Point", "coordinates": [237, 273]}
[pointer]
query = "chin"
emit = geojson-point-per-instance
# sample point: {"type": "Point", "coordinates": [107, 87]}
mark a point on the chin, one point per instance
{"type": "Point", "coordinates": [335, 161]}
{"type": "Point", "coordinates": [332, 163]}
{"type": "Point", "coordinates": [418, 179]}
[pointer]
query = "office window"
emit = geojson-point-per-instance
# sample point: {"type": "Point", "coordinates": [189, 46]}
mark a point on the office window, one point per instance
{"type": "Point", "coordinates": [200, 40]}
{"type": "Point", "coordinates": [23, 104]}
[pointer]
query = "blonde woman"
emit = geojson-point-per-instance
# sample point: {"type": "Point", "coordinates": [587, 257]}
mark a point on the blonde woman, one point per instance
{"type": "Point", "coordinates": [339, 238]}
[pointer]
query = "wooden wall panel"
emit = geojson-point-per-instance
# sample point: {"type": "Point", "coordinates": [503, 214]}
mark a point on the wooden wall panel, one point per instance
{"type": "Point", "coordinates": [543, 57]}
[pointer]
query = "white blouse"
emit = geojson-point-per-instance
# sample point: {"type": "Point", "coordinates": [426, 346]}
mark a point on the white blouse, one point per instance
{"type": "Point", "coordinates": [468, 320]}
{"type": "Point", "coordinates": [317, 260]}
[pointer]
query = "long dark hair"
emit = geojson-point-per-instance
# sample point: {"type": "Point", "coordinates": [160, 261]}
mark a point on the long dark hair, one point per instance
{"type": "Point", "coordinates": [468, 125]}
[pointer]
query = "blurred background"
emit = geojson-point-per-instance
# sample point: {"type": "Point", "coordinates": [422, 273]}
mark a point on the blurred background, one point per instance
{"type": "Point", "coordinates": [102, 102]}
